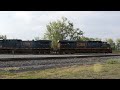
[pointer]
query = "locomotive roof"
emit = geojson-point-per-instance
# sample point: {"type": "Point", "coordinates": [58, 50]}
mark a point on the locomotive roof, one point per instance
{"type": "Point", "coordinates": [94, 41]}
{"type": "Point", "coordinates": [45, 40]}
{"type": "Point", "coordinates": [12, 40]}
{"type": "Point", "coordinates": [66, 41]}
{"type": "Point", "coordinates": [23, 40]}
{"type": "Point", "coordinates": [77, 41]}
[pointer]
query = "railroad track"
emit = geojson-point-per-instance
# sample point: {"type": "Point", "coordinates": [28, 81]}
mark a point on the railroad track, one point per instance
{"type": "Point", "coordinates": [50, 62]}
{"type": "Point", "coordinates": [48, 57]}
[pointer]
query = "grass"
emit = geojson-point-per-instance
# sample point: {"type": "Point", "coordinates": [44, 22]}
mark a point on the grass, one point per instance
{"type": "Point", "coordinates": [116, 51]}
{"type": "Point", "coordinates": [108, 70]}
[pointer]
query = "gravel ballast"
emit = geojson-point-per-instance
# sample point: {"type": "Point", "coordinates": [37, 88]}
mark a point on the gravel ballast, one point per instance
{"type": "Point", "coordinates": [45, 64]}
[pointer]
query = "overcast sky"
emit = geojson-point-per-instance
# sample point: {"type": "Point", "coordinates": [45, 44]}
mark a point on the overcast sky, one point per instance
{"type": "Point", "coordinates": [29, 24]}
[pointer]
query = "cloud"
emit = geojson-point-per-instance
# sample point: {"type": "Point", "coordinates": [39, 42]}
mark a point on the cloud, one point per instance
{"type": "Point", "coordinates": [28, 24]}
{"type": "Point", "coordinates": [23, 16]}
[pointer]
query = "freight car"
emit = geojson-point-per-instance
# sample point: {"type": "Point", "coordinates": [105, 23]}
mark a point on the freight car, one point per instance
{"type": "Point", "coordinates": [17, 46]}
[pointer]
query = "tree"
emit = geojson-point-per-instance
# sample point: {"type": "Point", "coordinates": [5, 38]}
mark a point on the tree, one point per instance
{"type": "Point", "coordinates": [118, 41]}
{"type": "Point", "coordinates": [111, 42]}
{"type": "Point", "coordinates": [98, 39]}
{"type": "Point", "coordinates": [83, 38]}
{"type": "Point", "coordinates": [36, 38]}
{"type": "Point", "coordinates": [62, 30]}
{"type": "Point", "coordinates": [3, 37]}
{"type": "Point", "coordinates": [118, 44]}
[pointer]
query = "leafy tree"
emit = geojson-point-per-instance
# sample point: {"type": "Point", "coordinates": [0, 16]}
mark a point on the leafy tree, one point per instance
{"type": "Point", "coordinates": [83, 38]}
{"type": "Point", "coordinates": [39, 38]}
{"type": "Point", "coordinates": [3, 37]}
{"type": "Point", "coordinates": [36, 38]}
{"type": "Point", "coordinates": [118, 41]}
{"type": "Point", "coordinates": [111, 42]}
{"type": "Point", "coordinates": [118, 44]}
{"type": "Point", "coordinates": [98, 39]}
{"type": "Point", "coordinates": [62, 30]}
{"type": "Point", "coordinates": [91, 39]}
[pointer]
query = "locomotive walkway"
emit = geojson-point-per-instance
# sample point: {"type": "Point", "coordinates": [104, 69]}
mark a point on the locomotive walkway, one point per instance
{"type": "Point", "coordinates": [4, 57]}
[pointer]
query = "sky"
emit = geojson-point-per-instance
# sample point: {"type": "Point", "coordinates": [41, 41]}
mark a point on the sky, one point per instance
{"type": "Point", "coordinates": [26, 25]}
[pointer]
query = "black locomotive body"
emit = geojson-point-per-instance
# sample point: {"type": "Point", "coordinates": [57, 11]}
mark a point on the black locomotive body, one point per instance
{"type": "Point", "coordinates": [66, 47]}
{"type": "Point", "coordinates": [83, 47]}
{"type": "Point", "coordinates": [17, 46]}
{"type": "Point", "coordinates": [42, 46]}
{"type": "Point", "coordinates": [24, 47]}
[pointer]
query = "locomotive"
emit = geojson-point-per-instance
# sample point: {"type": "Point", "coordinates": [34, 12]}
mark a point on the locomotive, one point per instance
{"type": "Point", "coordinates": [83, 47]}
{"type": "Point", "coordinates": [17, 46]}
